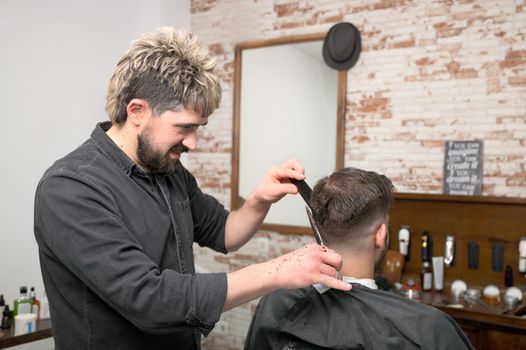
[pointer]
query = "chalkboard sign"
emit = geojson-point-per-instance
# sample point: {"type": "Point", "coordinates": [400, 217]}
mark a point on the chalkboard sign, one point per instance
{"type": "Point", "coordinates": [463, 167]}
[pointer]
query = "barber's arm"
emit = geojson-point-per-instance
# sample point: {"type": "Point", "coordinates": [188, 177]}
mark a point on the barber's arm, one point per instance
{"type": "Point", "coordinates": [242, 224]}
{"type": "Point", "coordinates": [305, 266]}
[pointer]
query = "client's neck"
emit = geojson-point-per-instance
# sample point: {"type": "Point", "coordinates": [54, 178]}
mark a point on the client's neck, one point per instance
{"type": "Point", "coordinates": [358, 263]}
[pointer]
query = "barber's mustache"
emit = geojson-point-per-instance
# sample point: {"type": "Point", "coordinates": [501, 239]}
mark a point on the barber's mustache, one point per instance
{"type": "Point", "coordinates": [179, 148]}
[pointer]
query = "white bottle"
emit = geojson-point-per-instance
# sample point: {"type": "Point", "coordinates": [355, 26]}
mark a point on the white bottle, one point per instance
{"type": "Point", "coordinates": [44, 307]}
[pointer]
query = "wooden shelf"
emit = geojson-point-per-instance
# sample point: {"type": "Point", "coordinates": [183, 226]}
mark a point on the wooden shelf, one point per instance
{"type": "Point", "coordinates": [488, 327]}
{"type": "Point", "coordinates": [491, 314]}
{"type": "Point", "coordinates": [8, 338]}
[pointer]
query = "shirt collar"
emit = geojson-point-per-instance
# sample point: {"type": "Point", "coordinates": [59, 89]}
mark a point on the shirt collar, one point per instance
{"type": "Point", "coordinates": [106, 145]}
{"type": "Point", "coordinates": [366, 282]}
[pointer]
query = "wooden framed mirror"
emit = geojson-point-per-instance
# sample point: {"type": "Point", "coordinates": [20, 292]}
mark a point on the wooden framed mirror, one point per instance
{"type": "Point", "coordinates": [287, 104]}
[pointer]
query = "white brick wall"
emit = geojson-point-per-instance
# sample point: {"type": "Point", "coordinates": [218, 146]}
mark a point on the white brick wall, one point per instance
{"type": "Point", "coordinates": [430, 71]}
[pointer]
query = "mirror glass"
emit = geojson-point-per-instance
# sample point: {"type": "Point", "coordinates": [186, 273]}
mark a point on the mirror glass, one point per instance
{"type": "Point", "coordinates": [287, 107]}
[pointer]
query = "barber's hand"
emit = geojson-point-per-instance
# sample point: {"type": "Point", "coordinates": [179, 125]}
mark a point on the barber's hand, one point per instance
{"type": "Point", "coordinates": [275, 185]}
{"type": "Point", "coordinates": [306, 266]}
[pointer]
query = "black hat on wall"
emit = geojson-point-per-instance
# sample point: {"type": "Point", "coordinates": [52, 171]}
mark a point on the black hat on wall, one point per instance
{"type": "Point", "coordinates": [342, 46]}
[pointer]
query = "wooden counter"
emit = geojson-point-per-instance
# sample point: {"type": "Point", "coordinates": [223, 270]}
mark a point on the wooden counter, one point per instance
{"type": "Point", "coordinates": [490, 327]}
{"type": "Point", "coordinates": [8, 338]}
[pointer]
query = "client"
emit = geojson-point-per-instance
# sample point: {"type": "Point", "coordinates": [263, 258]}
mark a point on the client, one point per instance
{"type": "Point", "coordinates": [351, 209]}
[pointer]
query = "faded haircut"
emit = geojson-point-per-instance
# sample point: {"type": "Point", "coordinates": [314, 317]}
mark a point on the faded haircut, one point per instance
{"type": "Point", "coordinates": [347, 203]}
{"type": "Point", "coordinates": [168, 69]}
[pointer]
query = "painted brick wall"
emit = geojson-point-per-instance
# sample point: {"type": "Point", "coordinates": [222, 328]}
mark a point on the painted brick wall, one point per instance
{"type": "Point", "coordinates": [430, 71]}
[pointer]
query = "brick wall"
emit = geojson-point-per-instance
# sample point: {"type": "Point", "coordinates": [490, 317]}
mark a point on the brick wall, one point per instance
{"type": "Point", "coordinates": [430, 71]}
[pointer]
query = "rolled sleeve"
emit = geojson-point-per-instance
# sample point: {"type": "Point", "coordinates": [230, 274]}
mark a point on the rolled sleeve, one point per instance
{"type": "Point", "coordinates": [208, 297]}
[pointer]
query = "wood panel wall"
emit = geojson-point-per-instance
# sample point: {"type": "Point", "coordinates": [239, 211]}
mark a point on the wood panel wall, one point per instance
{"type": "Point", "coordinates": [469, 218]}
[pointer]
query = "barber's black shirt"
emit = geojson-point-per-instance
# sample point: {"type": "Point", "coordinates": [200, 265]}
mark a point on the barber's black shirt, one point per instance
{"type": "Point", "coordinates": [115, 247]}
{"type": "Point", "coordinates": [361, 318]}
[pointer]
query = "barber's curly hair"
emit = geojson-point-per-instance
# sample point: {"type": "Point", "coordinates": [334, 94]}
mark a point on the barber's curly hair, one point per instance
{"type": "Point", "coordinates": [348, 202]}
{"type": "Point", "coordinates": [168, 69]}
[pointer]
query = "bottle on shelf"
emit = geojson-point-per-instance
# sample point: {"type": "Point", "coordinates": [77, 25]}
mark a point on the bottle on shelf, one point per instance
{"type": "Point", "coordinates": [44, 307]}
{"type": "Point", "coordinates": [7, 318]}
{"type": "Point", "coordinates": [426, 277]}
{"type": "Point", "coordinates": [35, 303]}
{"type": "Point", "coordinates": [427, 247]}
{"type": "Point", "coordinates": [2, 304]}
{"type": "Point", "coordinates": [22, 304]}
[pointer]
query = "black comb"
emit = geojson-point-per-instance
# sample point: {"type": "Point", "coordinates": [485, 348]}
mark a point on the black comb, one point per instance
{"type": "Point", "coordinates": [304, 190]}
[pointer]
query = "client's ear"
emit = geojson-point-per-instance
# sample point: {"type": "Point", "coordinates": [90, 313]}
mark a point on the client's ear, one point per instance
{"type": "Point", "coordinates": [380, 237]}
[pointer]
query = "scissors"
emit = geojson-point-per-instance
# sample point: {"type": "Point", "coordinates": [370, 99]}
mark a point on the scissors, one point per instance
{"type": "Point", "coordinates": [305, 192]}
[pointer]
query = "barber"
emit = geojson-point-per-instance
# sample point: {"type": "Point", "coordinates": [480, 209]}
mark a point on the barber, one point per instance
{"type": "Point", "coordinates": [115, 220]}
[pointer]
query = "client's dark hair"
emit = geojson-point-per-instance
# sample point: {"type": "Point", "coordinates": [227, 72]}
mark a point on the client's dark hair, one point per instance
{"type": "Point", "coordinates": [346, 203]}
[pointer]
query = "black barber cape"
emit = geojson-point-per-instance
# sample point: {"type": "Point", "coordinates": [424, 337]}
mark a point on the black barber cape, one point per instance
{"type": "Point", "coordinates": [362, 318]}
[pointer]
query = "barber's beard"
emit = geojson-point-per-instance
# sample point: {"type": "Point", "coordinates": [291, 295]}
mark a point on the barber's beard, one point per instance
{"type": "Point", "coordinates": [158, 162]}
